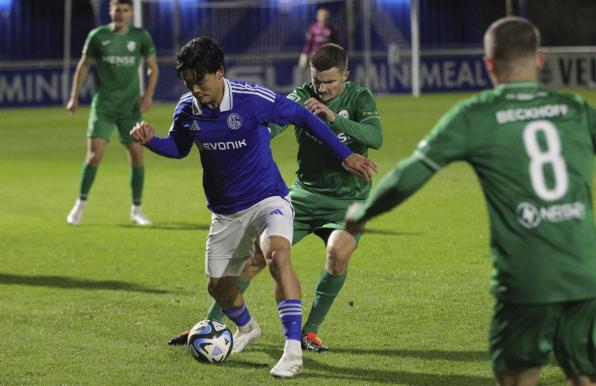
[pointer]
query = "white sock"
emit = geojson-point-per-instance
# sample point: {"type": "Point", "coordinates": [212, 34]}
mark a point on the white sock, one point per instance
{"type": "Point", "coordinates": [293, 348]}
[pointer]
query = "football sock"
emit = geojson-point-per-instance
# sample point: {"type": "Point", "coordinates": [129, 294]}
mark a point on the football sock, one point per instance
{"type": "Point", "coordinates": [327, 289]}
{"type": "Point", "coordinates": [87, 176]}
{"type": "Point", "coordinates": [137, 176]}
{"type": "Point", "coordinates": [290, 314]}
{"type": "Point", "coordinates": [239, 315]}
{"type": "Point", "coordinates": [215, 312]}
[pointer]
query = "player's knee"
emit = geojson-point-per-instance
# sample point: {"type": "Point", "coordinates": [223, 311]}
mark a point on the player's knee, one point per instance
{"type": "Point", "coordinates": [93, 158]}
{"type": "Point", "coordinates": [214, 287]}
{"type": "Point", "coordinates": [252, 268]}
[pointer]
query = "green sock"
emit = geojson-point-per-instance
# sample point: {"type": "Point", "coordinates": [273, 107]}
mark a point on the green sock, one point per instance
{"type": "Point", "coordinates": [137, 176]}
{"type": "Point", "coordinates": [327, 289]}
{"type": "Point", "coordinates": [87, 176]}
{"type": "Point", "coordinates": [215, 311]}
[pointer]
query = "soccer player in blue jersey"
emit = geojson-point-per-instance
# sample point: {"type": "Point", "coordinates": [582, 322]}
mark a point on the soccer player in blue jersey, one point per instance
{"type": "Point", "coordinates": [227, 120]}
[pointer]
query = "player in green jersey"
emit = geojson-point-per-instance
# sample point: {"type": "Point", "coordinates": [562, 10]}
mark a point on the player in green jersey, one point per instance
{"type": "Point", "coordinates": [532, 150]}
{"type": "Point", "coordinates": [117, 49]}
{"type": "Point", "coordinates": [323, 189]}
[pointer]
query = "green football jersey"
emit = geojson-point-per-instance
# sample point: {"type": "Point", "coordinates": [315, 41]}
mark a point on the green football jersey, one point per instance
{"type": "Point", "coordinates": [532, 150]}
{"type": "Point", "coordinates": [357, 125]}
{"type": "Point", "coordinates": [117, 59]}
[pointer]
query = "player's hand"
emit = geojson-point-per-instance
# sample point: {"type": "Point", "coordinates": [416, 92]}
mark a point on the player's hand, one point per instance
{"type": "Point", "coordinates": [361, 166]}
{"type": "Point", "coordinates": [352, 226]}
{"type": "Point", "coordinates": [143, 132]}
{"type": "Point", "coordinates": [319, 109]}
{"type": "Point", "coordinates": [72, 105]}
{"type": "Point", "coordinates": [145, 103]}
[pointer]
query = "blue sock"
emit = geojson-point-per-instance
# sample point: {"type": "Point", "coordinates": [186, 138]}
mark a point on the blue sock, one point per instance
{"type": "Point", "coordinates": [239, 315]}
{"type": "Point", "coordinates": [290, 313]}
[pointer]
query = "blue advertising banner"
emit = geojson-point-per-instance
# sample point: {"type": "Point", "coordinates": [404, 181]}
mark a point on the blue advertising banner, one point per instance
{"type": "Point", "coordinates": [43, 86]}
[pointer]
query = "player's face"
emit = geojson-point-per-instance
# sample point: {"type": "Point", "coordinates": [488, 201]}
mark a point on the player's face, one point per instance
{"type": "Point", "coordinates": [329, 83]}
{"type": "Point", "coordinates": [120, 14]}
{"type": "Point", "coordinates": [209, 91]}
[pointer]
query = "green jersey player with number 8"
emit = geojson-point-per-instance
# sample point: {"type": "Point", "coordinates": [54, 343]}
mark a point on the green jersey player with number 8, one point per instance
{"type": "Point", "coordinates": [532, 150]}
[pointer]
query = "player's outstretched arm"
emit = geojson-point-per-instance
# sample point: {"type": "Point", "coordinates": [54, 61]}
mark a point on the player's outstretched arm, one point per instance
{"type": "Point", "coordinates": [395, 187]}
{"type": "Point", "coordinates": [172, 146]}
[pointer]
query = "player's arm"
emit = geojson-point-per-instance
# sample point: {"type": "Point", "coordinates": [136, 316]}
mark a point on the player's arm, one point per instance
{"type": "Point", "coordinates": [447, 142]}
{"type": "Point", "coordinates": [152, 75]}
{"type": "Point", "coordinates": [176, 144]}
{"type": "Point", "coordinates": [78, 80]}
{"type": "Point", "coordinates": [395, 187]}
{"type": "Point", "coordinates": [366, 128]}
{"type": "Point", "coordinates": [284, 111]}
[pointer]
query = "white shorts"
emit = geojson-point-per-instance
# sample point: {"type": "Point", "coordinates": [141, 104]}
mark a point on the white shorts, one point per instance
{"type": "Point", "coordinates": [231, 238]}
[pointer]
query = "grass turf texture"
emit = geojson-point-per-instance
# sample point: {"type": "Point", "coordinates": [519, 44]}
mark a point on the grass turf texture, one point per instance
{"type": "Point", "coordinates": [96, 304]}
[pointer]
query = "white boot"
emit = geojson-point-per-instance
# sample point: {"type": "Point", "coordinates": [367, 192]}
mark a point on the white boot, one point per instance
{"type": "Point", "coordinates": [76, 213]}
{"type": "Point", "coordinates": [137, 216]}
{"type": "Point", "coordinates": [246, 334]}
{"type": "Point", "coordinates": [290, 364]}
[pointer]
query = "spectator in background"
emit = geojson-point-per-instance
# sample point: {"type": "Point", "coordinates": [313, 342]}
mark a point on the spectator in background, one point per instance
{"type": "Point", "coordinates": [317, 34]}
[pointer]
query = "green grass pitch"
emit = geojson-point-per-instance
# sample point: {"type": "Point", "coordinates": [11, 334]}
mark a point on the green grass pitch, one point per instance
{"type": "Point", "coordinates": [96, 304]}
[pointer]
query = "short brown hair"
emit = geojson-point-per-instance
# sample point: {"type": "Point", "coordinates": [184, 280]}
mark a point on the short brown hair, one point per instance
{"type": "Point", "coordinates": [328, 56]}
{"type": "Point", "coordinates": [509, 40]}
{"type": "Point", "coordinates": [128, 2]}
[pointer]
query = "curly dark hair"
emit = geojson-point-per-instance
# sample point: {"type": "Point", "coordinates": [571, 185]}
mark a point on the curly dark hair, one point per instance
{"type": "Point", "coordinates": [202, 56]}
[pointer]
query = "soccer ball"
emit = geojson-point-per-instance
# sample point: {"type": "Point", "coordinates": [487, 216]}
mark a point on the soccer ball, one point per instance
{"type": "Point", "coordinates": [210, 341]}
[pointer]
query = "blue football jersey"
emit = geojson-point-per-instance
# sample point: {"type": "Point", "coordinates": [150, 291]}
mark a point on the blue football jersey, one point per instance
{"type": "Point", "coordinates": [234, 143]}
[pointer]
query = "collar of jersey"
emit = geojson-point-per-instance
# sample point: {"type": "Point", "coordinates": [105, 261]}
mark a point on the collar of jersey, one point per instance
{"type": "Point", "coordinates": [519, 84]}
{"type": "Point", "coordinates": [226, 102]}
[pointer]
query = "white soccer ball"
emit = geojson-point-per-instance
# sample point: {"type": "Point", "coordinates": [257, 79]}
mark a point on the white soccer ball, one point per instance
{"type": "Point", "coordinates": [210, 341]}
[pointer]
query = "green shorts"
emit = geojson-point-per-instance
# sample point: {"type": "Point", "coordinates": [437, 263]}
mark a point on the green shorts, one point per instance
{"type": "Point", "coordinates": [522, 336]}
{"type": "Point", "coordinates": [102, 122]}
{"type": "Point", "coordinates": [317, 214]}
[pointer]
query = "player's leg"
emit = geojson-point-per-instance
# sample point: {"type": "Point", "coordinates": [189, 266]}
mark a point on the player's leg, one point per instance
{"type": "Point", "coordinates": [340, 247]}
{"type": "Point", "coordinates": [274, 226]}
{"type": "Point", "coordinates": [137, 167]}
{"type": "Point", "coordinates": [576, 343]}
{"type": "Point", "coordinates": [99, 131]}
{"type": "Point", "coordinates": [230, 299]}
{"type": "Point", "coordinates": [254, 265]}
{"type": "Point", "coordinates": [230, 241]}
{"type": "Point", "coordinates": [520, 341]}
{"type": "Point", "coordinates": [529, 377]}
{"type": "Point", "coordinates": [137, 179]}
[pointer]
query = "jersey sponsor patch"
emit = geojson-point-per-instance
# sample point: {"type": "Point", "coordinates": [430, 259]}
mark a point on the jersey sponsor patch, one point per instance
{"type": "Point", "coordinates": [530, 216]}
{"type": "Point", "coordinates": [228, 145]}
{"type": "Point", "coordinates": [234, 121]}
